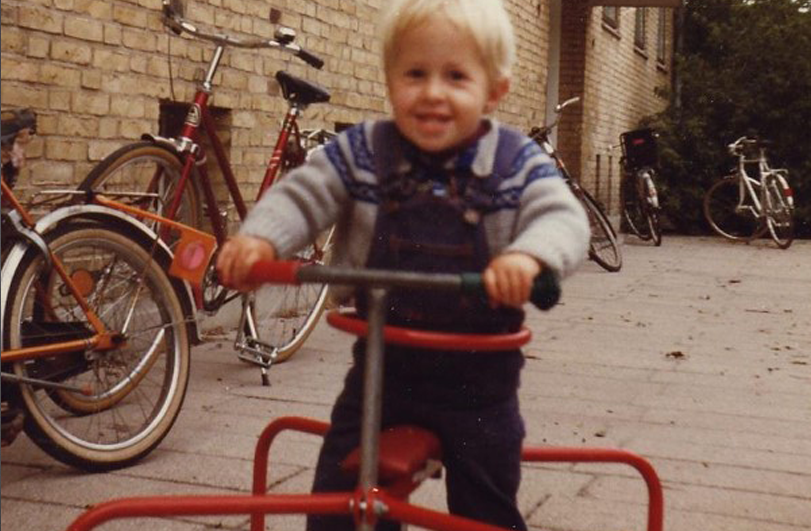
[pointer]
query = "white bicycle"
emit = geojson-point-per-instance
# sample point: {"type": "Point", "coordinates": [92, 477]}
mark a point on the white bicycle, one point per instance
{"type": "Point", "coordinates": [755, 198]}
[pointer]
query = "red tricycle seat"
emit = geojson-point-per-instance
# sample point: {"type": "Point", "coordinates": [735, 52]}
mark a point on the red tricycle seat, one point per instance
{"type": "Point", "coordinates": [405, 452]}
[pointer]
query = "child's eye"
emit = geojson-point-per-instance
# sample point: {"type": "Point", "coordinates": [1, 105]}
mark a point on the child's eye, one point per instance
{"type": "Point", "coordinates": [415, 73]}
{"type": "Point", "coordinates": [457, 75]}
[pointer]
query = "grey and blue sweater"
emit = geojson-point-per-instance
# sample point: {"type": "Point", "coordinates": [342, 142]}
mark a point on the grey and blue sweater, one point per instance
{"type": "Point", "coordinates": [533, 211]}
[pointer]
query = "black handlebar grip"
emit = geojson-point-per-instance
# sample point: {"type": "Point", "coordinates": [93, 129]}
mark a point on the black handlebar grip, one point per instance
{"type": "Point", "coordinates": [310, 59]}
{"type": "Point", "coordinates": [545, 289]}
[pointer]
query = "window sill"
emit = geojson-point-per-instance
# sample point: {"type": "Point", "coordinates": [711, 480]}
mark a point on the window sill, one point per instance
{"type": "Point", "coordinates": [613, 30]}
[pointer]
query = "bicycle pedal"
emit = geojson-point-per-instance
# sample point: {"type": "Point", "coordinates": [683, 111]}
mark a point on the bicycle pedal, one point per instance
{"type": "Point", "coordinates": [255, 358]}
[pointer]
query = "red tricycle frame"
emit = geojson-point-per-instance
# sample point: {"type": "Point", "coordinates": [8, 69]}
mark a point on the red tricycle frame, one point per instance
{"type": "Point", "coordinates": [390, 464]}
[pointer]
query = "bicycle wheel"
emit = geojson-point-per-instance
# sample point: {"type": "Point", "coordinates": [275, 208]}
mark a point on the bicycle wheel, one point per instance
{"type": "Point", "coordinates": [727, 215]}
{"type": "Point", "coordinates": [633, 211]}
{"type": "Point", "coordinates": [779, 212]}
{"type": "Point", "coordinates": [285, 315]}
{"type": "Point", "coordinates": [131, 395]}
{"type": "Point", "coordinates": [145, 175]}
{"type": "Point", "coordinates": [603, 247]}
{"type": "Point", "coordinates": [654, 225]}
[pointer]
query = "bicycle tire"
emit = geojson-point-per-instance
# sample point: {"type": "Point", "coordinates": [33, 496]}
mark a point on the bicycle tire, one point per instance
{"type": "Point", "coordinates": [136, 390]}
{"type": "Point", "coordinates": [652, 212]}
{"type": "Point", "coordinates": [654, 226]}
{"type": "Point", "coordinates": [779, 213]}
{"type": "Point", "coordinates": [286, 315]}
{"type": "Point", "coordinates": [134, 168]}
{"type": "Point", "coordinates": [633, 211]}
{"type": "Point", "coordinates": [723, 215]}
{"type": "Point", "coordinates": [603, 246]}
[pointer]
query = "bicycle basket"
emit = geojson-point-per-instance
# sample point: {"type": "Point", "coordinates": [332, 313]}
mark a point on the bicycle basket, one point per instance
{"type": "Point", "coordinates": [639, 148]}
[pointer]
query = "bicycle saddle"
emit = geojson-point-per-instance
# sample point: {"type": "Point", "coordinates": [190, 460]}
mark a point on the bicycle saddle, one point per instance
{"type": "Point", "coordinates": [300, 91]}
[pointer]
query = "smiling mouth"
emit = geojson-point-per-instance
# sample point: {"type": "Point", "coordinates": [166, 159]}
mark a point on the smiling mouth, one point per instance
{"type": "Point", "coordinates": [431, 122]}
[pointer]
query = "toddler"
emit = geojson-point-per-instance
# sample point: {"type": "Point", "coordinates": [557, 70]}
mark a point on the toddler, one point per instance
{"type": "Point", "coordinates": [439, 187]}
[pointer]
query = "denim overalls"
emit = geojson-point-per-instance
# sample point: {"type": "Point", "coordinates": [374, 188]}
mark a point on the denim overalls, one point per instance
{"type": "Point", "coordinates": [430, 219]}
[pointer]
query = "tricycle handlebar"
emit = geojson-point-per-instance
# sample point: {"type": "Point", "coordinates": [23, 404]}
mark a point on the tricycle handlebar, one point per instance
{"type": "Point", "coordinates": [545, 291]}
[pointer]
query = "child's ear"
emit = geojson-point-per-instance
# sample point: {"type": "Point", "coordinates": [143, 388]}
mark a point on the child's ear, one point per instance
{"type": "Point", "coordinates": [498, 90]}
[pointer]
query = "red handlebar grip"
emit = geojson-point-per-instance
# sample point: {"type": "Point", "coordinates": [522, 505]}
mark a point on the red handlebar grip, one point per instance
{"type": "Point", "coordinates": [275, 272]}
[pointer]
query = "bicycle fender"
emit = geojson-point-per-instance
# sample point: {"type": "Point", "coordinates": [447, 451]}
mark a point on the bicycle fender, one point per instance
{"type": "Point", "coordinates": [782, 176]}
{"type": "Point", "coordinates": [175, 145]}
{"type": "Point", "coordinates": [95, 212]}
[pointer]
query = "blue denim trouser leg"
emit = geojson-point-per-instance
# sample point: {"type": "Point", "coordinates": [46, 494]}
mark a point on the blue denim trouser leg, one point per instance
{"type": "Point", "coordinates": [481, 450]}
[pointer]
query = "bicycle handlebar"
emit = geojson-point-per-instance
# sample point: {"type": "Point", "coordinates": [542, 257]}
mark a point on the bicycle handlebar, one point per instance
{"type": "Point", "coordinates": [179, 25]}
{"type": "Point", "coordinates": [545, 291]}
{"type": "Point", "coordinates": [736, 147]}
{"type": "Point", "coordinates": [542, 133]}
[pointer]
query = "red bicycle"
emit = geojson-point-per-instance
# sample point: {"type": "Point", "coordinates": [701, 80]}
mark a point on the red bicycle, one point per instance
{"type": "Point", "coordinates": [389, 465]}
{"type": "Point", "coordinates": [168, 176]}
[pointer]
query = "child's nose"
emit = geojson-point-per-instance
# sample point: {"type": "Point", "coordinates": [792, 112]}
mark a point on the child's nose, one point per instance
{"type": "Point", "coordinates": [433, 88]}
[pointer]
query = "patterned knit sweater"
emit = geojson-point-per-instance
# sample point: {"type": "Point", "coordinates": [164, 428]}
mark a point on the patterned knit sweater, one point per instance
{"type": "Point", "coordinates": [533, 211]}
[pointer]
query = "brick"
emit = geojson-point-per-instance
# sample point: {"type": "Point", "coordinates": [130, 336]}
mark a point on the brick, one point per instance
{"type": "Point", "coordinates": [59, 149]}
{"type": "Point", "coordinates": [139, 40]}
{"type": "Point", "coordinates": [111, 61]}
{"type": "Point", "coordinates": [98, 149]}
{"type": "Point", "coordinates": [76, 126]}
{"type": "Point", "coordinates": [16, 95]}
{"type": "Point", "coordinates": [8, 14]}
{"type": "Point", "coordinates": [108, 128]}
{"type": "Point", "coordinates": [133, 128]}
{"type": "Point", "coordinates": [38, 47]}
{"type": "Point", "coordinates": [49, 173]}
{"type": "Point", "coordinates": [112, 34]}
{"type": "Point", "coordinates": [130, 16]}
{"type": "Point", "coordinates": [72, 52]}
{"type": "Point", "coordinates": [12, 40]}
{"type": "Point", "coordinates": [90, 103]}
{"type": "Point", "coordinates": [157, 67]}
{"type": "Point", "coordinates": [19, 70]}
{"type": "Point", "coordinates": [40, 19]}
{"type": "Point", "coordinates": [59, 100]}
{"type": "Point", "coordinates": [97, 9]}
{"type": "Point", "coordinates": [127, 107]}
{"type": "Point", "coordinates": [91, 79]}
{"type": "Point", "coordinates": [90, 30]}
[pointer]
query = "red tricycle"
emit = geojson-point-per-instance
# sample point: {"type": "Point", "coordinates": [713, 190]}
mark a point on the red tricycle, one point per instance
{"type": "Point", "coordinates": [389, 465]}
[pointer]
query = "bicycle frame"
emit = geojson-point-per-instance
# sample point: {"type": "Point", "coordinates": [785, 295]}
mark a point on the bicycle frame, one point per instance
{"type": "Point", "coordinates": [747, 184]}
{"type": "Point", "coordinates": [188, 145]}
{"type": "Point", "coordinates": [101, 340]}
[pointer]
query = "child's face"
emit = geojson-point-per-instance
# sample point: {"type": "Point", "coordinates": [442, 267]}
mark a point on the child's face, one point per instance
{"type": "Point", "coordinates": [439, 87]}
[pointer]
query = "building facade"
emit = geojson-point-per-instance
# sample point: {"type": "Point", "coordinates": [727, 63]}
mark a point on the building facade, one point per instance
{"type": "Point", "coordinates": [100, 73]}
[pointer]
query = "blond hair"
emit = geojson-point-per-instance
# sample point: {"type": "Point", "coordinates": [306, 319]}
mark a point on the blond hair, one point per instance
{"type": "Point", "coordinates": [486, 21]}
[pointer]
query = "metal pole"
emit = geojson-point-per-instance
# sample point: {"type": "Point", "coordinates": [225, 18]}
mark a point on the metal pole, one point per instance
{"type": "Point", "coordinates": [372, 397]}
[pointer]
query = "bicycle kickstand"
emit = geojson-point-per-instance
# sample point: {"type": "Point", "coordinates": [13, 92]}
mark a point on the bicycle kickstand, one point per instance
{"type": "Point", "coordinates": [249, 348]}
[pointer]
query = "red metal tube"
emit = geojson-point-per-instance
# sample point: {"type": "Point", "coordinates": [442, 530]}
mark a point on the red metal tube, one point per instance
{"type": "Point", "coordinates": [157, 506]}
{"type": "Point", "coordinates": [608, 455]}
{"type": "Point", "coordinates": [262, 451]}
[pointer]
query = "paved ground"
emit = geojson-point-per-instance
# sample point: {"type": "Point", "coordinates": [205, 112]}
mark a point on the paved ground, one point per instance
{"type": "Point", "coordinates": [697, 355]}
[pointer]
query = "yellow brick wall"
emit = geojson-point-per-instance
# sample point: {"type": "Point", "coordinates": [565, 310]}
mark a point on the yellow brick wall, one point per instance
{"type": "Point", "coordinates": [96, 70]}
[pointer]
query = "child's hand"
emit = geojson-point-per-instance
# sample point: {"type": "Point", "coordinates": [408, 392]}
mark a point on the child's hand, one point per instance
{"type": "Point", "coordinates": [237, 257]}
{"type": "Point", "coordinates": [508, 279]}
